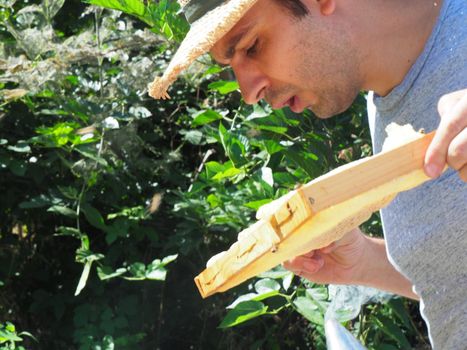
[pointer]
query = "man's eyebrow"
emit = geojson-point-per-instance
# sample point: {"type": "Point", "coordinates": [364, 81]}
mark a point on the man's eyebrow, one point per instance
{"type": "Point", "coordinates": [233, 42]}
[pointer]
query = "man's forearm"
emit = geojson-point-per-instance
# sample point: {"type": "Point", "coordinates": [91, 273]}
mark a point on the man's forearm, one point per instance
{"type": "Point", "coordinates": [378, 272]}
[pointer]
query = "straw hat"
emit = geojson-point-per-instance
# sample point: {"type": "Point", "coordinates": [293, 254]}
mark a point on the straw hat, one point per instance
{"type": "Point", "coordinates": [210, 20]}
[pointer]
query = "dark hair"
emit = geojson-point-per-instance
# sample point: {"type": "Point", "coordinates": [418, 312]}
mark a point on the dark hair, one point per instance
{"type": "Point", "coordinates": [295, 7]}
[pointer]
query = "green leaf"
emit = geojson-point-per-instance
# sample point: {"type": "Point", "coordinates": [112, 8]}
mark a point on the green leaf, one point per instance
{"type": "Point", "coordinates": [119, 228]}
{"type": "Point", "coordinates": [229, 173]}
{"type": "Point", "coordinates": [214, 201]}
{"type": "Point", "coordinates": [84, 278]}
{"type": "Point", "coordinates": [266, 285]}
{"type": "Point", "coordinates": [240, 299]}
{"type": "Point", "coordinates": [68, 231]}
{"type": "Point", "coordinates": [235, 147]}
{"type": "Point", "coordinates": [387, 347]}
{"type": "Point", "coordinates": [272, 146]}
{"type": "Point", "coordinates": [276, 129]}
{"type": "Point", "coordinates": [243, 312]}
{"type": "Point", "coordinates": [8, 336]}
{"type": "Point", "coordinates": [69, 192]}
{"type": "Point", "coordinates": [20, 147]}
{"type": "Point", "coordinates": [131, 7]}
{"type": "Point", "coordinates": [205, 117]}
{"type": "Point", "coordinates": [194, 137]}
{"type": "Point", "coordinates": [224, 87]}
{"type": "Point", "coordinates": [37, 202]}
{"type": "Point", "coordinates": [318, 293]}
{"type": "Point", "coordinates": [287, 281]}
{"type": "Point", "coordinates": [214, 69]}
{"type": "Point", "coordinates": [10, 327]}
{"type": "Point", "coordinates": [106, 272]}
{"type": "Point", "coordinates": [309, 310]}
{"type": "Point", "coordinates": [28, 335]}
{"type": "Point", "coordinates": [259, 112]}
{"type": "Point", "coordinates": [275, 273]}
{"type": "Point", "coordinates": [98, 159]}
{"type": "Point", "coordinates": [138, 270]}
{"type": "Point", "coordinates": [257, 204]}
{"type": "Point", "coordinates": [158, 274]}
{"type": "Point", "coordinates": [58, 209]}
{"type": "Point", "coordinates": [168, 259]}
{"type": "Point", "coordinates": [397, 306]}
{"type": "Point", "coordinates": [93, 217]}
{"type": "Point", "coordinates": [311, 167]}
{"type": "Point", "coordinates": [391, 329]}
{"type": "Point", "coordinates": [214, 167]}
{"type": "Point", "coordinates": [83, 254]}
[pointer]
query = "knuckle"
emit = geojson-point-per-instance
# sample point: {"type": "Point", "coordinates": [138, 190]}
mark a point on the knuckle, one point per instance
{"type": "Point", "coordinates": [443, 104]}
{"type": "Point", "coordinates": [457, 154]}
{"type": "Point", "coordinates": [453, 126]}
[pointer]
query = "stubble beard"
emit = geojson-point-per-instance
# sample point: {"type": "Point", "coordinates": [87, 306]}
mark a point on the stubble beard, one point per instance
{"type": "Point", "coordinates": [332, 69]}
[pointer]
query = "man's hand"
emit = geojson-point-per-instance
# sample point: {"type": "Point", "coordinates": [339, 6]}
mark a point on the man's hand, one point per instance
{"type": "Point", "coordinates": [337, 263]}
{"type": "Point", "coordinates": [354, 259]}
{"type": "Point", "coordinates": [450, 142]}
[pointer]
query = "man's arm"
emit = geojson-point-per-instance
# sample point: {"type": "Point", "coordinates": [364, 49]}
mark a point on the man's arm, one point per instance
{"type": "Point", "coordinates": [354, 259]}
{"type": "Point", "coordinates": [379, 273]}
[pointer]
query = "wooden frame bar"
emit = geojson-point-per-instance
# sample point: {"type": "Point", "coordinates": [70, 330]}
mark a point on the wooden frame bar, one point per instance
{"type": "Point", "coordinates": [317, 214]}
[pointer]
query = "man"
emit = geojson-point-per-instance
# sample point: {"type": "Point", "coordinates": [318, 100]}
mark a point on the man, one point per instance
{"type": "Point", "coordinates": [411, 55]}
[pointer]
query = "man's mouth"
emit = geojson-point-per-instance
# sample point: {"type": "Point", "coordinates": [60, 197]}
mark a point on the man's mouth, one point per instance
{"type": "Point", "coordinates": [291, 103]}
{"type": "Point", "coordinates": [295, 105]}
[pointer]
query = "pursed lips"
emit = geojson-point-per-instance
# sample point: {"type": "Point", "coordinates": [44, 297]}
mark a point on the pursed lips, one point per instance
{"type": "Point", "coordinates": [293, 103]}
{"type": "Point", "coordinates": [286, 103]}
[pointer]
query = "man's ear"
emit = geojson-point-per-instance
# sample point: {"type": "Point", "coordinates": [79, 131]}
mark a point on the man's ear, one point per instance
{"type": "Point", "coordinates": [326, 7]}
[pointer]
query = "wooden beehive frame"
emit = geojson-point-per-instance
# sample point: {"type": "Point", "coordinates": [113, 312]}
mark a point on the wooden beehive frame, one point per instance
{"type": "Point", "coordinates": [317, 214]}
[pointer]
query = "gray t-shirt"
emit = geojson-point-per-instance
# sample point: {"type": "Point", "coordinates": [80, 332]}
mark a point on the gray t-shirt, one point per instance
{"type": "Point", "coordinates": [426, 228]}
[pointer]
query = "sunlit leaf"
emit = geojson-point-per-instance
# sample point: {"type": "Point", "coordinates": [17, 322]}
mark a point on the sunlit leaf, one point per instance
{"type": "Point", "coordinates": [309, 310]}
{"type": "Point", "coordinates": [266, 285]}
{"type": "Point", "coordinates": [84, 277]}
{"type": "Point", "coordinates": [106, 272]}
{"type": "Point", "coordinates": [58, 209]}
{"type": "Point", "coordinates": [205, 117]}
{"type": "Point", "coordinates": [243, 312]}
{"type": "Point", "coordinates": [224, 87]}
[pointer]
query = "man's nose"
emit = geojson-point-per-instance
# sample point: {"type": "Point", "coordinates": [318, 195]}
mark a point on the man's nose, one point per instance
{"type": "Point", "coordinates": [252, 81]}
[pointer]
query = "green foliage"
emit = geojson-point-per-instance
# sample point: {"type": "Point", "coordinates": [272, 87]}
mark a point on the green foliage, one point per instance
{"type": "Point", "coordinates": [112, 202]}
{"type": "Point", "coordinates": [9, 337]}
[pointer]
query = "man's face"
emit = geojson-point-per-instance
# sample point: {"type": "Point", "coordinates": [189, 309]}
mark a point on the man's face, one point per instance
{"type": "Point", "coordinates": [302, 63]}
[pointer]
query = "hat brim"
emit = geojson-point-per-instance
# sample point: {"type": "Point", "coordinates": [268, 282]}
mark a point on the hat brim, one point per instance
{"type": "Point", "coordinates": [201, 37]}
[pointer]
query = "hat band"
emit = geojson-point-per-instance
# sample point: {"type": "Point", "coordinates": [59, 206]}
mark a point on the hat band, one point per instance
{"type": "Point", "coordinates": [195, 9]}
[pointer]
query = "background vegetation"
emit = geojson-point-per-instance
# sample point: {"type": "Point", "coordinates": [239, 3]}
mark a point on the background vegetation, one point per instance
{"type": "Point", "coordinates": [112, 202]}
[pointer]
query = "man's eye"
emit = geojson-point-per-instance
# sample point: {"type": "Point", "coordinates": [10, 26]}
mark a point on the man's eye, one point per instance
{"type": "Point", "coordinates": [252, 49]}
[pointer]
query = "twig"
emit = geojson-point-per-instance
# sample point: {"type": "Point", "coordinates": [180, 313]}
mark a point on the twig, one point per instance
{"type": "Point", "coordinates": [209, 153]}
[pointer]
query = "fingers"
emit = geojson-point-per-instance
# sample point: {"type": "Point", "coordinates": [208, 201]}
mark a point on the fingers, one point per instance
{"type": "Point", "coordinates": [310, 262]}
{"type": "Point", "coordinates": [457, 151]}
{"type": "Point", "coordinates": [305, 265]}
{"type": "Point", "coordinates": [442, 150]}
